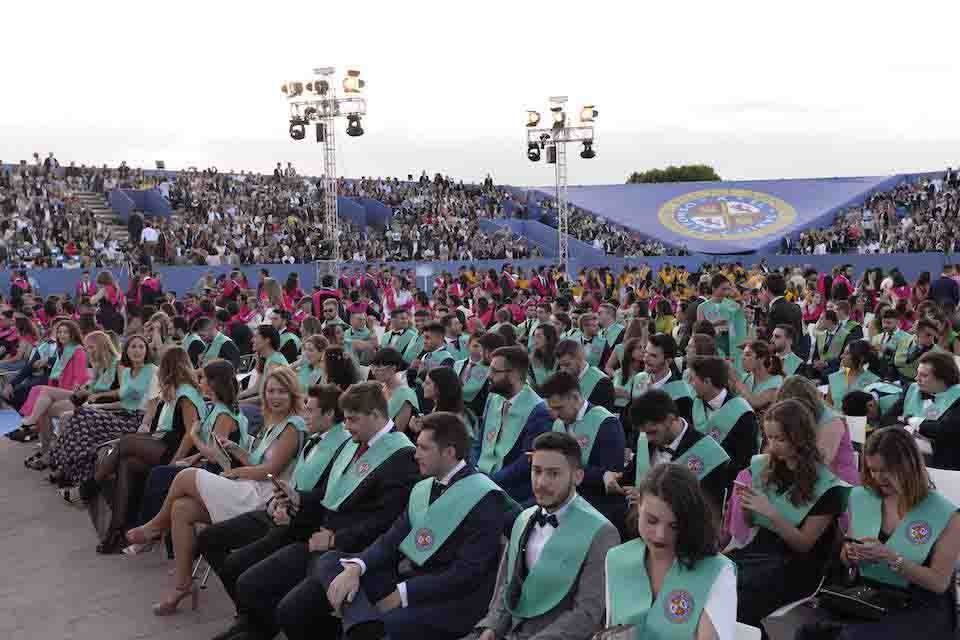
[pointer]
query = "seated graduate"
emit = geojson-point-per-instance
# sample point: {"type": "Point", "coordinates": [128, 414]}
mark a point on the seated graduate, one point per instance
{"type": "Point", "coordinates": [217, 345]}
{"type": "Point", "coordinates": [513, 416]}
{"type": "Point", "coordinates": [718, 413]}
{"type": "Point", "coordinates": [435, 352]}
{"type": "Point", "coordinates": [472, 372]}
{"type": "Point", "coordinates": [763, 375]}
{"type": "Point", "coordinates": [671, 582]}
{"type": "Point", "coordinates": [366, 488]}
{"type": "Point", "coordinates": [290, 342]}
{"type": "Point", "coordinates": [551, 578]}
{"type": "Point", "coordinates": [937, 376]}
{"type": "Point", "coordinates": [595, 386]}
{"type": "Point", "coordinates": [662, 373]}
{"type": "Point", "coordinates": [905, 537]}
{"type": "Point", "coordinates": [794, 501]}
{"type": "Point", "coordinates": [831, 339]}
{"type": "Point", "coordinates": [663, 437]}
{"type": "Point", "coordinates": [601, 439]}
{"type": "Point", "coordinates": [431, 575]}
{"type": "Point", "coordinates": [856, 372]}
{"type": "Point", "coordinates": [907, 358]}
{"type": "Point", "coordinates": [782, 339]}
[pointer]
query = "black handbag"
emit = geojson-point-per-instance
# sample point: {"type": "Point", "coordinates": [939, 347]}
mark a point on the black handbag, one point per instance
{"type": "Point", "coordinates": [862, 601]}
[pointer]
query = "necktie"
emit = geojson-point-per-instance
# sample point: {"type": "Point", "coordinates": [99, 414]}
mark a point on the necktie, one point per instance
{"type": "Point", "coordinates": [362, 449]}
{"type": "Point", "coordinates": [672, 452]}
{"type": "Point", "coordinates": [503, 413]}
{"type": "Point", "coordinates": [465, 373]}
{"type": "Point", "coordinates": [543, 519]}
{"type": "Point", "coordinates": [311, 443]}
{"type": "Point", "coordinates": [436, 490]}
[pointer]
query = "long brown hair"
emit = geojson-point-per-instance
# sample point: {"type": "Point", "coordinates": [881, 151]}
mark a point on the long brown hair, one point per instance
{"type": "Point", "coordinates": [765, 355]}
{"type": "Point", "coordinates": [103, 353]}
{"type": "Point", "coordinates": [288, 379]}
{"type": "Point", "coordinates": [76, 336]}
{"type": "Point", "coordinates": [804, 391]}
{"type": "Point", "coordinates": [221, 377]}
{"type": "Point", "coordinates": [175, 370]}
{"type": "Point", "coordinates": [627, 364]}
{"type": "Point", "coordinates": [799, 427]}
{"type": "Point", "coordinates": [902, 459]}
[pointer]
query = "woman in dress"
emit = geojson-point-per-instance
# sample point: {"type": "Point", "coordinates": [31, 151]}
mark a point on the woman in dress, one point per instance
{"type": "Point", "coordinates": [671, 582]}
{"type": "Point", "coordinates": [68, 372]}
{"type": "Point", "coordinates": [402, 402]}
{"type": "Point", "coordinates": [763, 375]}
{"type": "Point", "coordinates": [110, 303]}
{"type": "Point", "coordinates": [854, 373]}
{"type": "Point", "coordinates": [309, 367]}
{"type": "Point", "coordinates": [199, 496]}
{"type": "Point", "coordinates": [442, 389]}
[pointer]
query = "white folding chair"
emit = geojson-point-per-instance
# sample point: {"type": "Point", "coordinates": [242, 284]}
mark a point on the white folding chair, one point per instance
{"type": "Point", "coordinates": [746, 632]}
{"type": "Point", "coordinates": [947, 482]}
{"type": "Point", "coordinates": [858, 429]}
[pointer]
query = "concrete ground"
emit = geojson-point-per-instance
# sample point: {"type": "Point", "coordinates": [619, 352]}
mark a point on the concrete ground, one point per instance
{"type": "Point", "coordinates": [54, 586]}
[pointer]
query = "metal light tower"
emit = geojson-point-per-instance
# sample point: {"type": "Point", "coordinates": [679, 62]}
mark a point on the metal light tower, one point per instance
{"type": "Point", "coordinates": [316, 101]}
{"type": "Point", "coordinates": [554, 141]}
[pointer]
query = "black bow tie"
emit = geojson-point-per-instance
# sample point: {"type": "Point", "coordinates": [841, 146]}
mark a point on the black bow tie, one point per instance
{"type": "Point", "coordinates": [436, 490]}
{"type": "Point", "coordinates": [543, 519]}
{"type": "Point", "coordinates": [672, 452]}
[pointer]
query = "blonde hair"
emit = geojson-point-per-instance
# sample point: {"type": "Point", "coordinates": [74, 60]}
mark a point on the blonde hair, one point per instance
{"type": "Point", "coordinates": [288, 379]}
{"type": "Point", "coordinates": [103, 352]}
{"type": "Point", "coordinates": [175, 370]}
{"type": "Point", "coordinates": [274, 292]}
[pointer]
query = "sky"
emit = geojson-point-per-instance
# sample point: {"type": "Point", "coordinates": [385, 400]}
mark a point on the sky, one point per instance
{"type": "Point", "coordinates": [756, 89]}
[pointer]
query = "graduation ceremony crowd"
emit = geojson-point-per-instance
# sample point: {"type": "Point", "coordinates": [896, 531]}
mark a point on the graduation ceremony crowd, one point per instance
{"type": "Point", "coordinates": [640, 454]}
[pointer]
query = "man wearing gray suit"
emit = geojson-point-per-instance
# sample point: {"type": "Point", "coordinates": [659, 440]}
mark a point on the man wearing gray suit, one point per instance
{"type": "Point", "coordinates": [550, 583]}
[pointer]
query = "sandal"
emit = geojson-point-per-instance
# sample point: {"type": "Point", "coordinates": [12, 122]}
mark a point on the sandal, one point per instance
{"type": "Point", "coordinates": [37, 462]}
{"type": "Point", "coordinates": [32, 459]}
{"type": "Point", "coordinates": [71, 495]}
{"type": "Point", "coordinates": [143, 535]}
{"type": "Point", "coordinates": [23, 434]}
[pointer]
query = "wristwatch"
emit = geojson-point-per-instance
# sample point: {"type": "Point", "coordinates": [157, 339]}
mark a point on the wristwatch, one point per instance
{"type": "Point", "coordinates": [897, 565]}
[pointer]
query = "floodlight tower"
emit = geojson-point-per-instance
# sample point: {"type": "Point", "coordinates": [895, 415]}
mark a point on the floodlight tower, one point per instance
{"type": "Point", "coordinates": [316, 101]}
{"type": "Point", "coordinates": [554, 140]}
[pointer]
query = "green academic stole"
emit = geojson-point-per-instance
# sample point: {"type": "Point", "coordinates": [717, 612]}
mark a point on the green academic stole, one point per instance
{"type": "Point", "coordinates": [721, 421]}
{"type": "Point", "coordinates": [498, 438]}
{"type": "Point", "coordinates": [106, 378]}
{"type": "Point", "coordinates": [398, 342]}
{"type": "Point", "coordinates": [210, 421]}
{"type": "Point", "coordinates": [913, 538]}
{"type": "Point", "coordinates": [342, 483]}
{"type": "Point", "coordinates": [309, 469]}
{"type": "Point", "coordinates": [612, 333]}
{"type": "Point", "coordinates": [791, 362]}
{"type": "Point", "coordinates": [473, 384]}
{"type": "Point", "coordinates": [432, 524]}
{"type": "Point", "coordinates": [274, 359]}
{"type": "Point", "coordinates": [308, 375]}
{"type": "Point", "coordinates": [839, 387]}
{"type": "Point", "coordinates": [539, 375]}
{"type": "Point", "coordinates": [529, 326]}
{"type": "Point", "coordinates": [413, 350]}
{"type": "Point", "coordinates": [269, 434]}
{"type": "Point", "coordinates": [943, 401]}
{"type": "Point", "coordinates": [593, 350]}
{"type": "Point", "coordinates": [62, 361]}
{"type": "Point", "coordinates": [551, 578]}
{"type": "Point", "coordinates": [629, 385]}
{"type": "Point", "coordinates": [641, 459]}
{"type": "Point", "coordinates": [399, 397]}
{"type": "Point", "coordinates": [189, 340]}
{"type": "Point", "coordinates": [794, 514]}
{"type": "Point", "coordinates": [585, 431]}
{"type": "Point", "coordinates": [589, 381]}
{"type": "Point", "coordinates": [703, 457]}
{"type": "Point", "coordinates": [836, 345]}
{"type": "Point", "coordinates": [435, 358]}
{"type": "Point", "coordinates": [288, 336]}
{"type": "Point", "coordinates": [678, 389]}
{"type": "Point", "coordinates": [352, 334]}
{"type": "Point", "coordinates": [572, 334]}
{"type": "Point", "coordinates": [887, 394]}
{"type": "Point", "coordinates": [213, 351]}
{"type": "Point", "coordinates": [165, 422]}
{"type": "Point", "coordinates": [132, 390]}
{"type": "Point", "coordinates": [773, 382]}
{"type": "Point", "coordinates": [675, 614]}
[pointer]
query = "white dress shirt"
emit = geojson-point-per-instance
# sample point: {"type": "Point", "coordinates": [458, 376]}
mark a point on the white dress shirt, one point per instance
{"type": "Point", "coordinates": [539, 536]}
{"type": "Point", "coordinates": [660, 457]}
{"type": "Point", "coordinates": [717, 402]}
{"type": "Point", "coordinates": [662, 381]}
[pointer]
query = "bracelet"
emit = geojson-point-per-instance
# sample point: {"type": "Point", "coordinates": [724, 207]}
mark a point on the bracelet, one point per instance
{"type": "Point", "coordinates": [897, 565]}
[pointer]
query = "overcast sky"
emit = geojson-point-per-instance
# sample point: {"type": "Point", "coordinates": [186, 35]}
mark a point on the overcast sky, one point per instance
{"type": "Point", "coordinates": [757, 89]}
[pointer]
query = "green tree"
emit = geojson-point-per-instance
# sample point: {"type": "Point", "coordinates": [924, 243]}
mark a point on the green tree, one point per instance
{"type": "Point", "coordinates": [685, 173]}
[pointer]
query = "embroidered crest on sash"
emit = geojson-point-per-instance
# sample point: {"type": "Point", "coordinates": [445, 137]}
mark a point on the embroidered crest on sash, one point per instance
{"type": "Point", "coordinates": [919, 532]}
{"type": "Point", "coordinates": [583, 441]}
{"type": "Point", "coordinates": [678, 606]}
{"type": "Point", "coordinates": [715, 434]}
{"type": "Point", "coordinates": [492, 436]}
{"type": "Point", "coordinates": [424, 539]}
{"type": "Point", "coordinates": [695, 464]}
{"type": "Point", "coordinates": [363, 468]}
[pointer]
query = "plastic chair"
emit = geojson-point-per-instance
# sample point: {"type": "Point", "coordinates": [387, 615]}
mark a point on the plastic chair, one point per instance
{"type": "Point", "coordinates": [947, 482]}
{"type": "Point", "coordinates": [746, 632]}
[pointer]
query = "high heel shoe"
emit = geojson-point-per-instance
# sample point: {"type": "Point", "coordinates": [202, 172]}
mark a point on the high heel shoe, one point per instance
{"type": "Point", "coordinates": [143, 535]}
{"type": "Point", "coordinates": [169, 607]}
{"type": "Point", "coordinates": [114, 542]}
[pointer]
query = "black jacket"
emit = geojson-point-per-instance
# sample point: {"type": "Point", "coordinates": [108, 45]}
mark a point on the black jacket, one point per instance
{"type": "Point", "coordinates": [783, 311]}
{"type": "Point", "coordinates": [945, 436]}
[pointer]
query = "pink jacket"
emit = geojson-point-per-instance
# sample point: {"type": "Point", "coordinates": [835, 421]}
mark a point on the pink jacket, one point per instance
{"type": "Point", "coordinates": [74, 375]}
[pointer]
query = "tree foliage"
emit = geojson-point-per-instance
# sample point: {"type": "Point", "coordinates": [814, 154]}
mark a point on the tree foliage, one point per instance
{"type": "Point", "coordinates": [685, 173]}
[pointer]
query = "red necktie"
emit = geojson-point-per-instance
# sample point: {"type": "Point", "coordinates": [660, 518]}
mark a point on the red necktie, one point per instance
{"type": "Point", "coordinates": [362, 449]}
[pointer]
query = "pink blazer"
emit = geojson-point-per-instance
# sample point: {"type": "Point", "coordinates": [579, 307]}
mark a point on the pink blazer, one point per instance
{"type": "Point", "coordinates": [74, 375]}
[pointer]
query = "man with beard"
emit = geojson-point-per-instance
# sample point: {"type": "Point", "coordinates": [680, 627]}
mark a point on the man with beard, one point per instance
{"type": "Point", "coordinates": [595, 386]}
{"type": "Point", "coordinates": [783, 341]}
{"type": "Point", "coordinates": [513, 416]}
{"type": "Point", "coordinates": [659, 366]}
{"type": "Point", "coordinates": [551, 585]}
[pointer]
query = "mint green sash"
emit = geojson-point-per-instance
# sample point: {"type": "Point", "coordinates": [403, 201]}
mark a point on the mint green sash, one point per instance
{"type": "Point", "coordinates": [165, 422]}
{"type": "Point", "coordinates": [62, 361]}
{"type": "Point", "coordinates": [499, 439]}
{"type": "Point", "coordinates": [413, 350]}
{"type": "Point", "coordinates": [213, 351]}
{"type": "Point", "coordinates": [351, 335]}
{"type": "Point", "coordinates": [188, 341]}
{"type": "Point", "coordinates": [274, 359]}
{"type": "Point", "coordinates": [703, 457]}
{"type": "Point", "coordinates": [133, 390]}
{"type": "Point", "coordinates": [630, 385]}
{"type": "Point", "coordinates": [678, 389]}
{"type": "Point", "coordinates": [529, 329]}
{"type": "Point", "coordinates": [539, 375]}
{"type": "Point", "coordinates": [913, 403]}
{"type": "Point", "coordinates": [400, 342]}
{"type": "Point", "coordinates": [473, 384]}
{"type": "Point", "coordinates": [721, 421]}
{"type": "Point", "coordinates": [288, 336]}
{"type": "Point", "coordinates": [887, 394]}
{"type": "Point", "coordinates": [794, 514]}
{"type": "Point", "coordinates": [341, 484]}
{"type": "Point", "coordinates": [309, 469]}
{"type": "Point", "coordinates": [106, 378]}
{"type": "Point", "coordinates": [943, 401]}
{"type": "Point", "coordinates": [675, 614]}
{"type": "Point", "coordinates": [572, 334]}
{"type": "Point", "coordinates": [435, 358]}
{"type": "Point", "coordinates": [432, 524]}
{"type": "Point", "coordinates": [791, 362]}
{"type": "Point", "coordinates": [589, 381]}
{"type": "Point", "coordinates": [839, 387]}
{"type": "Point", "coordinates": [612, 333]}
{"type": "Point", "coordinates": [399, 397]}
{"type": "Point", "coordinates": [642, 459]}
{"type": "Point", "coordinates": [553, 576]}
{"type": "Point", "coordinates": [210, 421]}
{"type": "Point", "coordinates": [836, 345]}
{"type": "Point", "coordinates": [309, 375]}
{"type": "Point", "coordinates": [773, 382]}
{"type": "Point", "coordinates": [594, 350]}
{"type": "Point", "coordinates": [913, 538]}
{"type": "Point", "coordinates": [269, 434]}
{"type": "Point", "coordinates": [585, 431]}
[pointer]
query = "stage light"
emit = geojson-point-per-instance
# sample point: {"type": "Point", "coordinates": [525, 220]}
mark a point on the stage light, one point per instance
{"type": "Point", "coordinates": [559, 117]}
{"type": "Point", "coordinates": [552, 154]}
{"type": "Point", "coordinates": [321, 131]}
{"type": "Point", "coordinates": [292, 89]}
{"type": "Point", "coordinates": [533, 118]}
{"type": "Point", "coordinates": [533, 152]}
{"type": "Point", "coordinates": [354, 127]}
{"type": "Point", "coordinates": [310, 113]}
{"type": "Point", "coordinates": [319, 87]}
{"type": "Point", "coordinates": [588, 113]}
{"type": "Point", "coordinates": [352, 83]}
{"type": "Point", "coordinates": [588, 151]}
{"type": "Point", "coordinates": [298, 129]}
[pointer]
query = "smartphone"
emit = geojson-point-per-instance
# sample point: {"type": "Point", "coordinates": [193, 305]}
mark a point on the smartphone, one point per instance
{"type": "Point", "coordinates": [853, 541]}
{"type": "Point", "coordinates": [278, 485]}
{"type": "Point", "coordinates": [742, 485]}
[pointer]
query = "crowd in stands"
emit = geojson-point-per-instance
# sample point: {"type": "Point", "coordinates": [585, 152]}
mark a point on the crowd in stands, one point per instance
{"type": "Point", "coordinates": [643, 421]}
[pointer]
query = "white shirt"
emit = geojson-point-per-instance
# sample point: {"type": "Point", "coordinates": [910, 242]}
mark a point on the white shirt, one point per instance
{"type": "Point", "coordinates": [656, 384]}
{"type": "Point", "coordinates": [379, 434]}
{"type": "Point", "coordinates": [149, 234]}
{"type": "Point", "coordinates": [660, 457]}
{"type": "Point", "coordinates": [717, 402]}
{"type": "Point", "coordinates": [539, 536]}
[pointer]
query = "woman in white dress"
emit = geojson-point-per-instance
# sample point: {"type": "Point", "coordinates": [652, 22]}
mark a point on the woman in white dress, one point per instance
{"type": "Point", "coordinates": [198, 496]}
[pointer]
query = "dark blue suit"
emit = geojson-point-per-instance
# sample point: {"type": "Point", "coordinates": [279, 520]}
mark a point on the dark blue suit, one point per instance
{"type": "Point", "coordinates": [448, 594]}
{"type": "Point", "coordinates": [606, 455]}
{"type": "Point", "coordinates": [514, 473]}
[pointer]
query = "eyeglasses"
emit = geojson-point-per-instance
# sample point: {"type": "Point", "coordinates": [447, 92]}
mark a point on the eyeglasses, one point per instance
{"type": "Point", "coordinates": [500, 370]}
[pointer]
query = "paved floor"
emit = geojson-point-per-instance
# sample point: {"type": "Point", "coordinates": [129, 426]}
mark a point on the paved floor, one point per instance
{"type": "Point", "coordinates": [54, 586]}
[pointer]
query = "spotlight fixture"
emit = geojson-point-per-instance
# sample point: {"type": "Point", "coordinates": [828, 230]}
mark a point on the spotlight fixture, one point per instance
{"type": "Point", "coordinates": [588, 113]}
{"type": "Point", "coordinates": [588, 151]}
{"type": "Point", "coordinates": [352, 83]}
{"type": "Point", "coordinates": [559, 117]}
{"type": "Point", "coordinates": [298, 129]}
{"type": "Point", "coordinates": [321, 131]}
{"type": "Point", "coordinates": [310, 113]}
{"type": "Point", "coordinates": [533, 118]}
{"type": "Point", "coordinates": [552, 154]}
{"type": "Point", "coordinates": [533, 152]}
{"type": "Point", "coordinates": [292, 89]}
{"type": "Point", "coordinates": [354, 127]}
{"type": "Point", "coordinates": [319, 87]}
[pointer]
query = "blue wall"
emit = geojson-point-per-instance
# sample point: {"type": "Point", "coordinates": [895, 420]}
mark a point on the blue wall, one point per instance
{"type": "Point", "coordinates": [121, 203]}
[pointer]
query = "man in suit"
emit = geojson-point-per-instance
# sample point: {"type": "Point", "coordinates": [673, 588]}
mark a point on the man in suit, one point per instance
{"type": "Point", "coordinates": [717, 413]}
{"type": "Point", "coordinates": [659, 365]}
{"type": "Point", "coordinates": [86, 287]}
{"type": "Point", "coordinates": [595, 386]}
{"type": "Point", "coordinates": [779, 309]}
{"type": "Point", "coordinates": [431, 575]}
{"type": "Point", "coordinates": [945, 290]}
{"type": "Point", "coordinates": [600, 436]}
{"type": "Point", "coordinates": [512, 417]}
{"type": "Point", "coordinates": [400, 335]}
{"type": "Point", "coordinates": [783, 340]}
{"type": "Point", "coordinates": [828, 346]}
{"type": "Point", "coordinates": [552, 590]}
{"type": "Point", "coordinates": [435, 352]}
{"type": "Point", "coordinates": [937, 376]}
{"type": "Point", "coordinates": [364, 491]}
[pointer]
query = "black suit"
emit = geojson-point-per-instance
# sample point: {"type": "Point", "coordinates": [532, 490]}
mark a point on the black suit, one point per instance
{"type": "Point", "coordinates": [741, 443]}
{"type": "Point", "coordinates": [284, 588]}
{"type": "Point", "coordinates": [945, 434]}
{"type": "Point", "coordinates": [603, 394]}
{"type": "Point", "coordinates": [784, 312]}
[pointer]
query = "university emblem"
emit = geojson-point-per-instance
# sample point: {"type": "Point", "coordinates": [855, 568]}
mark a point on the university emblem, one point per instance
{"type": "Point", "coordinates": [424, 539]}
{"type": "Point", "coordinates": [715, 434]}
{"type": "Point", "coordinates": [363, 468]}
{"type": "Point", "coordinates": [919, 532]}
{"type": "Point", "coordinates": [583, 441]}
{"type": "Point", "coordinates": [695, 464]}
{"type": "Point", "coordinates": [726, 214]}
{"type": "Point", "coordinates": [678, 606]}
{"type": "Point", "coordinates": [492, 436]}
